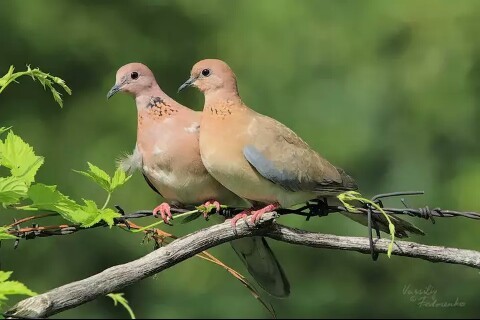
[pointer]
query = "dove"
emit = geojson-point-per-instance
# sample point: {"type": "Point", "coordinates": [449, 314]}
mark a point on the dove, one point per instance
{"type": "Point", "coordinates": [167, 153]}
{"type": "Point", "coordinates": [260, 159]}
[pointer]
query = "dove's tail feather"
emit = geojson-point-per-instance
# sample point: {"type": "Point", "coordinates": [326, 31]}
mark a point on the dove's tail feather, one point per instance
{"type": "Point", "coordinates": [402, 227]}
{"type": "Point", "coordinates": [262, 265]}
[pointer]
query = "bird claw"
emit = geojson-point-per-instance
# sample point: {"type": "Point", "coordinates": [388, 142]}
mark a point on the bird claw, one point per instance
{"type": "Point", "coordinates": [207, 206]}
{"type": "Point", "coordinates": [165, 213]}
{"type": "Point", "coordinates": [239, 216]}
{"type": "Point", "coordinates": [257, 214]}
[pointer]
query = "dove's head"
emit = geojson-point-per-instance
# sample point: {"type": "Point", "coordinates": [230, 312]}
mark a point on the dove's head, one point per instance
{"type": "Point", "coordinates": [211, 75]}
{"type": "Point", "coordinates": [133, 78]}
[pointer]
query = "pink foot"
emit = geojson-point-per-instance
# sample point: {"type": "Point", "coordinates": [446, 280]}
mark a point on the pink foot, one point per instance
{"type": "Point", "coordinates": [239, 216]}
{"type": "Point", "coordinates": [165, 213]}
{"type": "Point", "coordinates": [209, 203]}
{"type": "Point", "coordinates": [256, 215]}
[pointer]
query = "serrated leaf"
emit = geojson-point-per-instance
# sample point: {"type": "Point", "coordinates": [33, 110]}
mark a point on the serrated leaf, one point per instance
{"type": "Point", "coordinates": [19, 157]}
{"type": "Point", "coordinates": [62, 83]}
{"type": "Point", "coordinates": [45, 79]}
{"type": "Point", "coordinates": [56, 95]}
{"type": "Point", "coordinates": [89, 212]}
{"type": "Point", "coordinates": [119, 178]}
{"type": "Point", "coordinates": [97, 175]}
{"type": "Point", "coordinates": [98, 172]}
{"type": "Point", "coordinates": [92, 214]}
{"type": "Point", "coordinates": [108, 215]}
{"type": "Point", "coordinates": [12, 189]}
{"type": "Point", "coordinates": [4, 235]}
{"type": "Point", "coordinates": [12, 287]}
{"type": "Point", "coordinates": [118, 298]}
{"type": "Point", "coordinates": [101, 182]}
{"type": "Point", "coordinates": [49, 198]}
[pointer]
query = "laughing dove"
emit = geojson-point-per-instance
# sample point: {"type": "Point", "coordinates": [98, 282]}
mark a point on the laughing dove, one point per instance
{"type": "Point", "coordinates": [167, 153]}
{"type": "Point", "coordinates": [259, 158]}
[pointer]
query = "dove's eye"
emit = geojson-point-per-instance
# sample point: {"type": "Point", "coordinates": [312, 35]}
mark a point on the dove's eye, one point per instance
{"type": "Point", "coordinates": [134, 75]}
{"type": "Point", "coordinates": [205, 72]}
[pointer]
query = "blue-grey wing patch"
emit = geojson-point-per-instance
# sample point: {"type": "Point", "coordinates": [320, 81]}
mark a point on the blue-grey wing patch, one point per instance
{"type": "Point", "coordinates": [267, 169]}
{"type": "Point", "coordinates": [289, 180]}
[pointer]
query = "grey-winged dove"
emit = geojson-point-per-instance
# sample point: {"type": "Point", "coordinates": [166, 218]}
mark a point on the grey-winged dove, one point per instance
{"type": "Point", "coordinates": [167, 153]}
{"type": "Point", "coordinates": [259, 158]}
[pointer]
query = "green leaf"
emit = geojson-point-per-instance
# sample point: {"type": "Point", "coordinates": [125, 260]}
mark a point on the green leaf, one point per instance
{"type": "Point", "coordinates": [12, 287]}
{"type": "Point", "coordinates": [20, 158]}
{"type": "Point", "coordinates": [97, 175]}
{"type": "Point", "coordinates": [356, 196]}
{"type": "Point", "coordinates": [119, 178]}
{"type": "Point", "coordinates": [6, 79]}
{"type": "Point", "coordinates": [349, 196]}
{"type": "Point", "coordinates": [118, 298]}
{"type": "Point", "coordinates": [12, 189]}
{"type": "Point", "coordinates": [97, 172]}
{"type": "Point", "coordinates": [56, 96]}
{"type": "Point", "coordinates": [62, 83]}
{"type": "Point", "coordinates": [5, 275]}
{"type": "Point", "coordinates": [3, 129]}
{"type": "Point", "coordinates": [88, 214]}
{"type": "Point", "coordinates": [45, 79]}
{"type": "Point", "coordinates": [92, 215]}
{"type": "Point", "coordinates": [49, 198]}
{"type": "Point", "coordinates": [4, 235]}
{"type": "Point", "coordinates": [102, 178]}
{"type": "Point", "coordinates": [108, 215]}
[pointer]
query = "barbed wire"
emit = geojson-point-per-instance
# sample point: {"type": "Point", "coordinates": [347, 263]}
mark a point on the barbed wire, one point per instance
{"type": "Point", "coordinates": [317, 207]}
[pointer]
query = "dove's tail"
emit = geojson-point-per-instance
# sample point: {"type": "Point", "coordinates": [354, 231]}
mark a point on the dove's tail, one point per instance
{"type": "Point", "coordinates": [402, 227]}
{"type": "Point", "coordinates": [262, 265]}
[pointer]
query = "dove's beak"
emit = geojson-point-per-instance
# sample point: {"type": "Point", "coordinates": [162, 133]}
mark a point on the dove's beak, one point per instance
{"type": "Point", "coordinates": [187, 83]}
{"type": "Point", "coordinates": [114, 90]}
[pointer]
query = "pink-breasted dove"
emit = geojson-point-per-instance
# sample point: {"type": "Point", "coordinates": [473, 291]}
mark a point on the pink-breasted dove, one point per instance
{"type": "Point", "coordinates": [259, 158]}
{"type": "Point", "coordinates": [167, 153]}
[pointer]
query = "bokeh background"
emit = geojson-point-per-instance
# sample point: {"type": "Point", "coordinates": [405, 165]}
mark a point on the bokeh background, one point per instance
{"type": "Point", "coordinates": [390, 91]}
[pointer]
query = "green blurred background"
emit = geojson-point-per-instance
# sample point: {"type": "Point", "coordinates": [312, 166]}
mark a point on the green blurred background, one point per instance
{"type": "Point", "coordinates": [390, 91]}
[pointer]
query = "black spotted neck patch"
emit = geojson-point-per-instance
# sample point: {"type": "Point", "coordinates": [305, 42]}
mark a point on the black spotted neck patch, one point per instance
{"type": "Point", "coordinates": [160, 107]}
{"type": "Point", "coordinates": [155, 102]}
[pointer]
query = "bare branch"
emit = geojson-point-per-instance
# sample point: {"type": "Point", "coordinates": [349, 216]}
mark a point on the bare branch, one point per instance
{"type": "Point", "coordinates": [465, 257]}
{"type": "Point", "coordinates": [115, 278]}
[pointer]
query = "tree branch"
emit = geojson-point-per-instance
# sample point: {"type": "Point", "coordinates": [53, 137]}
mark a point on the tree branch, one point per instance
{"type": "Point", "coordinates": [117, 277]}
